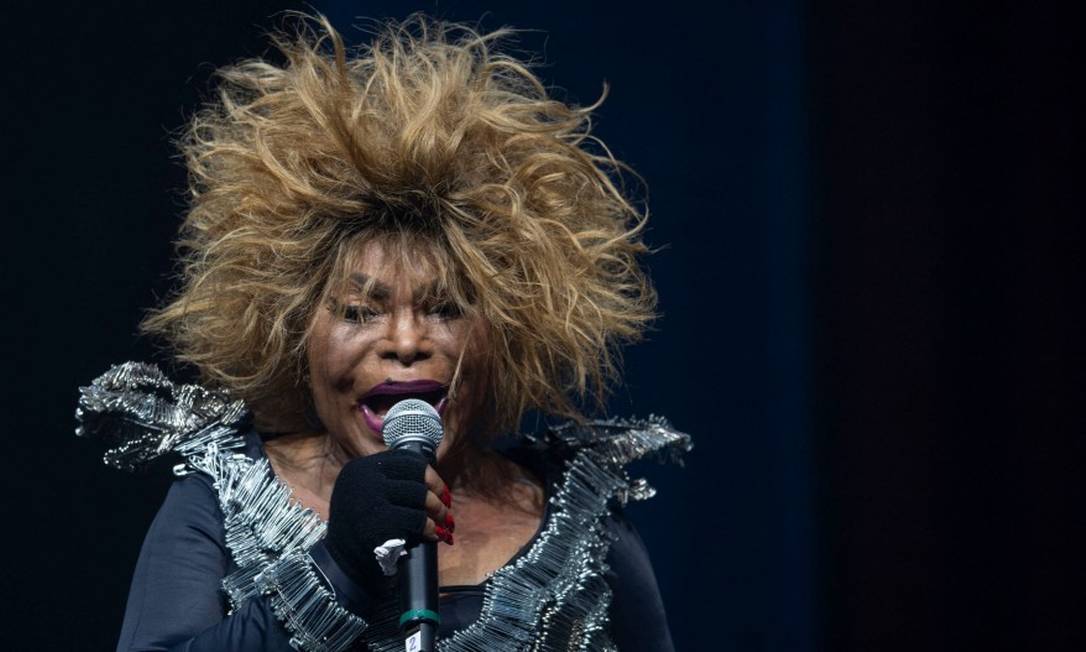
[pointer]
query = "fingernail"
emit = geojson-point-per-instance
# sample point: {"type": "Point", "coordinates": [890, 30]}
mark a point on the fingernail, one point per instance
{"type": "Point", "coordinates": [450, 538]}
{"type": "Point", "coordinates": [446, 497]}
{"type": "Point", "coordinates": [442, 533]}
{"type": "Point", "coordinates": [450, 522]}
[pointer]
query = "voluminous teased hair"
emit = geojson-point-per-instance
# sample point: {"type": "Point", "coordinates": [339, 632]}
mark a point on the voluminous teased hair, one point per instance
{"type": "Point", "coordinates": [426, 135]}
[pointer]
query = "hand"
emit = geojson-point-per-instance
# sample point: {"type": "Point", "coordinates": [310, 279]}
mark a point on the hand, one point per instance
{"type": "Point", "coordinates": [392, 494]}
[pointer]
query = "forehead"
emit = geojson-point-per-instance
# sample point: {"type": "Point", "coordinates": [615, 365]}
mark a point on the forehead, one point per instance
{"type": "Point", "coordinates": [391, 267]}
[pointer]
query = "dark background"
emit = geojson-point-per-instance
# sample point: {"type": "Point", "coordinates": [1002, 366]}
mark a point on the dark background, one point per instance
{"type": "Point", "coordinates": [870, 294]}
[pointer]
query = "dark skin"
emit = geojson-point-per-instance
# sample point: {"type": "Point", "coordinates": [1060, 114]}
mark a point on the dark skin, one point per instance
{"type": "Point", "coordinates": [359, 342]}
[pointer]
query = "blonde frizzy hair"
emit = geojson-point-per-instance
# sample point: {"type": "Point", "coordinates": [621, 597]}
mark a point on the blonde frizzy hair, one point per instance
{"type": "Point", "coordinates": [427, 137]}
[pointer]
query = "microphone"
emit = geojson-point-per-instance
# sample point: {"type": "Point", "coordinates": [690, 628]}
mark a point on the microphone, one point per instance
{"type": "Point", "coordinates": [414, 425]}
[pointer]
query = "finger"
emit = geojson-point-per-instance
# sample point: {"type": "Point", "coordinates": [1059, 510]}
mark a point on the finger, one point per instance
{"type": "Point", "coordinates": [437, 510]}
{"type": "Point", "coordinates": [436, 532]}
{"type": "Point", "coordinates": [434, 482]}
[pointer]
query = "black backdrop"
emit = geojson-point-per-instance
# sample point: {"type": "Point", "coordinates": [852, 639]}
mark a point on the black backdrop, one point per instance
{"type": "Point", "coordinates": [950, 376]}
{"type": "Point", "coordinates": [870, 296]}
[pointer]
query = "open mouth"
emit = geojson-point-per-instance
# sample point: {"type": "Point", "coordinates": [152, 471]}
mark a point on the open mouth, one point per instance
{"type": "Point", "coordinates": [377, 402]}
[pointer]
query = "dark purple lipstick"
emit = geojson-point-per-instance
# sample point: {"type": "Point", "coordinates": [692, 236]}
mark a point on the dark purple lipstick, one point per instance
{"type": "Point", "coordinates": [398, 387]}
{"type": "Point", "coordinates": [375, 403]}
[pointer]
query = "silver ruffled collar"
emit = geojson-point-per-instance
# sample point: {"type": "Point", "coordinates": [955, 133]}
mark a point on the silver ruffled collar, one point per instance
{"type": "Point", "coordinates": [554, 597]}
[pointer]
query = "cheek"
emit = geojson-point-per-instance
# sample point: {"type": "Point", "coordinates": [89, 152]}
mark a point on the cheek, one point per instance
{"type": "Point", "coordinates": [332, 355]}
{"type": "Point", "coordinates": [336, 362]}
{"type": "Point", "coordinates": [333, 359]}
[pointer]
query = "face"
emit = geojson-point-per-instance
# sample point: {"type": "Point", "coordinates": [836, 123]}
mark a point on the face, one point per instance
{"type": "Point", "coordinates": [368, 351]}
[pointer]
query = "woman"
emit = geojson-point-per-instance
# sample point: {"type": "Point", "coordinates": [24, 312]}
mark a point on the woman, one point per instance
{"type": "Point", "coordinates": [418, 218]}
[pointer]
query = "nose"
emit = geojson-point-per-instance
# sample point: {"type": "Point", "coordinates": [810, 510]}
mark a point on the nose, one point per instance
{"type": "Point", "coordinates": [407, 340]}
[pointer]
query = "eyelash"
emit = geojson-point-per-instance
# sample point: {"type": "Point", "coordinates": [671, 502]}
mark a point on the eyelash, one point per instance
{"type": "Point", "coordinates": [445, 310]}
{"type": "Point", "coordinates": [359, 314]}
{"type": "Point", "coordinates": [362, 314]}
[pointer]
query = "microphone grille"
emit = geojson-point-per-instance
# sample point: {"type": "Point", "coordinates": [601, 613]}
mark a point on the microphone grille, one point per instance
{"type": "Point", "coordinates": [415, 420]}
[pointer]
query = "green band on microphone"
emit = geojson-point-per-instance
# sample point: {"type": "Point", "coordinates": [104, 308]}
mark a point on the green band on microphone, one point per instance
{"type": "Point", "coordinates": [420, 614]}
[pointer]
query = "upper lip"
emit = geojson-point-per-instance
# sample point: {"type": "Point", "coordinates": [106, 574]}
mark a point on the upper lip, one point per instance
{"type": "Point", "coordinates": [396, 387]}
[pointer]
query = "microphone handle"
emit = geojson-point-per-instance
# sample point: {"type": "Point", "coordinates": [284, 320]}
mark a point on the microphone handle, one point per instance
{"type": "Point", "coordinates": [419, 617]}
{"type": "Point", "coordinates": [418, 597]}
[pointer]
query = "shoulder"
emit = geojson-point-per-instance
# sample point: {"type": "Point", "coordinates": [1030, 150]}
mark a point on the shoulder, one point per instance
{"type": "Point", "coordinates": [141, 416]}
{"type": "Point", "coordinates": [617, 440]}
{"type": "Point", "coordinates": [627, 548]}
{"type": "Point", "coordinates": [612, 444]}
{"type": "Point", "coordinates": [190, 511]}
{"type": "Point", "coordinates": [638, 615]}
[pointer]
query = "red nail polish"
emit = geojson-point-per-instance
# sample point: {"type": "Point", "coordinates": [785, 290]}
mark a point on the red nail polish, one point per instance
{"type": "Point", "coordinates": [450, 538]}
{"type": "Point", "coordinates": [441, 532]}
{"type": "Point", "coordinates": [446, 497]}
{"type": "Point", "coordinates": [450, 522]}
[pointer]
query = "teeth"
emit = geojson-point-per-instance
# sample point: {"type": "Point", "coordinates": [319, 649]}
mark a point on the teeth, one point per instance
{"type": "Point", "coordinates": [376, 411]}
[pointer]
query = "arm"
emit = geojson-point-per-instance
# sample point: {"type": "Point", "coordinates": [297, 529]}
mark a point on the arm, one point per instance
{"type": "Point", "coordinates": [638, 619]}
{"type": "Point", "coordinates": [176, 602]}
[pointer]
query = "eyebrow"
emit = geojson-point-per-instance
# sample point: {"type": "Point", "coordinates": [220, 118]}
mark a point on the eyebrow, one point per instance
{"type": "Point", "coordinates": [379, 291]}
{"type": "Point", "coordinates": [382, 292]}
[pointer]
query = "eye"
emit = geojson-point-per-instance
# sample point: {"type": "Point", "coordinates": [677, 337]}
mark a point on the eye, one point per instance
{"type": "Point", "coordinates": [444, 310]}
{"type": "Point", "coordinates": [358, 314]}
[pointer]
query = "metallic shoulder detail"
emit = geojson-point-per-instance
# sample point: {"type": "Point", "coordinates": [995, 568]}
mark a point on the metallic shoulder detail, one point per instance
{"type": "Point", "coordinates": [142, 415]}
{"type": "Point", "coordinates": [623, 440]}
{"type": "Point", "coordinates": [620, 441]}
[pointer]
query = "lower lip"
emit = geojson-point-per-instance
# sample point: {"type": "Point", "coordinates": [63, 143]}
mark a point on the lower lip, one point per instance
{"type": "Point", "coordinates": [377, 423]}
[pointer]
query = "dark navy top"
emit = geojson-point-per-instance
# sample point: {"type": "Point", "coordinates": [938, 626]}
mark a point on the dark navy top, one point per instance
{"type": "Point", "coordinates": [176, 602]}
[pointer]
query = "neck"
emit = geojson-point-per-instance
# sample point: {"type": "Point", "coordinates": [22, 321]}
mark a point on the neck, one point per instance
{"type": "Point", "coordinates": [318, 456]}
{"type": "Point", "coordinates": [309, 464]}
{"type": "Point", "coordinates": [461, 467]}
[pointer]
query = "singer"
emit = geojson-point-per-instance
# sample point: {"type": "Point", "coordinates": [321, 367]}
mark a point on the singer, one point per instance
{"type": "Point", "coordinates": [415, 219]}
